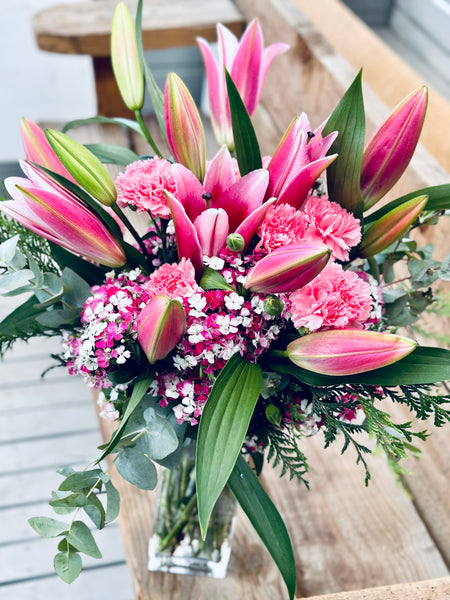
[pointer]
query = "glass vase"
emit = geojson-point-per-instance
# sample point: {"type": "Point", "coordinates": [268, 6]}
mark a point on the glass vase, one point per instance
{"type": "Point", "coordinates": [176, 545]}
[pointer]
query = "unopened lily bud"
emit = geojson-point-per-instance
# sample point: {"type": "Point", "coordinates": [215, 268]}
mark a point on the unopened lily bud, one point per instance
{"type": "Point", "coordinates": [390, 149]}
{"type": "Point", "coordinates": [273, 306]}
{"type": "Point", "coordinates": [235, 242]}
{"type": "Point", "coordinates": [348, 351]}
{"type": "Point", "coordinates": [391, 227]}
{"type": "Point", "coordinates": [38, 150]}
{"type": "Point", "coordinates": [160, 326]}
{"type": "Point", "coordinates": [125, 59]}
{"type": "Point", "coordinates": [184, 128]}
{"type": "Point", "coordinates": [84, 167]}
{"type": "Point", "coordinates": [288, 268]}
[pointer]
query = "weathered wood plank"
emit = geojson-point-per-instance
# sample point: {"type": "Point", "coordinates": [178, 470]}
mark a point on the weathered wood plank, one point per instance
{"type": "Point", "coordinates": [105, 583]}
{"type": "Point", "coordinates": [436, 589]}
{"type": "Point", "coordinates": [84, 28]}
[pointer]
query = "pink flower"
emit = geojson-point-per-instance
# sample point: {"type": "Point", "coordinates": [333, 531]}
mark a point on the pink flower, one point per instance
{"type": "Point", "coordinates": [333, 225]}
{"type": "Point", "coordinates": [142, 185]}
{"type": "Point", "coordinates": [282, 225]}
{"type": "Point", "coordinates": [175, 281]}
{"type": "Point", "coordinates": [334, 299]}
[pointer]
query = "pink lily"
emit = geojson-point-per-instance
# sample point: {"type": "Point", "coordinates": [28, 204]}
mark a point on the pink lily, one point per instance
{"type": "Point", "coordinates": [160, 326]}
{"type": "Point", "coordinates": [185, 134]}
{"type": "Point", "coordinates": [298, 162]}
{"type": "Point", "coordinates": [391, 147]}
{"type": "Point", "coordinates": [204, 214]}
{"type": "Point", "coordinates": [348, 351]}
{"type": "Point", "coordinates": [45, 207]}
{"type": "Point", "coordinates": [288, 268]}
{"type": "Point", "coordinates": [248, 62]}
{"type": "Point", "coordinates": [391, 227]}
{"type": "Point", "coordinates": [38, 150]}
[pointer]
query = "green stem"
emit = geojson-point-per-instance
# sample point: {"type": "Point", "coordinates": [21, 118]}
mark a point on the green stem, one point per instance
{"type": "Point", "coordinates": [181, 521]}
{"type": "Point", "coordinates": [281, 353]}
{"type": "Point", "coordinates": [122, 216]}
{"type": "Point", "coordinates": [145, 132]}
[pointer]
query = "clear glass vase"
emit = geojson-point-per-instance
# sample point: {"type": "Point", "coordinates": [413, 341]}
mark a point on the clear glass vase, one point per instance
{"type": "Point", "coordinates": [176, 545]}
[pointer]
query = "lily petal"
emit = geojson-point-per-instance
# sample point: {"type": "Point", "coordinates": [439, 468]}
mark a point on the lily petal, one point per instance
{"type": "Point", "coordinates": [188, 244]}
{"type": "Point", "coordinates": [212, 228]}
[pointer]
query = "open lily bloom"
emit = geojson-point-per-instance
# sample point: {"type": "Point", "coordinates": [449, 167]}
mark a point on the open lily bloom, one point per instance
{"type": "Point", "coordinates": [45, 207]}
{"type": "Point", "coordinates": [247, 61]}
{"type": "Point", "coordinates": [298, 162]}
{"type": "Point", "coordinates": [204, 214]}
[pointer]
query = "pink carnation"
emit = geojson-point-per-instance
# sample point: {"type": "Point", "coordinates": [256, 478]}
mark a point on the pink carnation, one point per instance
{"type": "Point", "coordinates": [282, 225]}
{"type": "Point", "coordinates": [142, 185]}
{"type": "Point", "coordinates": [333, 225]}
{"type": "Point", "coordinates": [176, 280]}
{"type": "Point", "coordinates": [334, 299]}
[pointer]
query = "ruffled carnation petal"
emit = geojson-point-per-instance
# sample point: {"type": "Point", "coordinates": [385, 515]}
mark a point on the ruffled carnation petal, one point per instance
{"type": "Point", "coordinates": [176, 281]}
{"type": "Point", "coordinates": [333, 300]}
{"type": "Point", "coordinates": [142, 186]}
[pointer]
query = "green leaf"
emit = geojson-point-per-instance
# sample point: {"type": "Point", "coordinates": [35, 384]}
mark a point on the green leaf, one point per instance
{"type": "Point", "coordinates": [112, 502]}
{"type": "Point", "coordinates": [213, 280]}
{"type": "Point", "coordinates": [223, 426]}
{"type": "Point", "coordinates": [137, 468]}
{"type": "Point", "coordinates": [22, 319]}
{"type": "Point", "coordinates": [70, 500]}
{"type": "Point", "coordinates": [38, 279]}
{"type": "Point", "coordinates": [344, 174]}
{"type": "Point", "coordinates": [444, 271]}
{"type": "Point", "coordinates": [266, 520]}
{"type": "Point", "coordinates": [61, 509]}
{"type": "Point", "coordinates": [82, 539]}
{"type": "Point", "coordinates": [58, 318]}
{"type": "Point", "coordinates": [95, 511]}
{"type": "Point", "coordinates": [158, 438]}
{"type": "Point", "coordinates": [8, 251]}
{"type": "Point", "coordinates": [438, 199]}
{"type": "Point", "coordinates": [108, 120]}
{"type": "Point", "coordinates": [47, 527]}
{"type": "Point", "coordinates": [140, 388]}
{"type": "Point", "coordinates": [424, 365]}
{"type": "Point", "coordinates": [111, 154]}
{"type": "Point", "coordinates": [78, 291]}
{"type": "Point", "coordinates": [13, 281]}
{"type": "Point", "coordinates": [245, 142]}
{"type": "Point", "coordinates": [52, 289]}
{"type": "Point", "coordinates": [155, 94]}
{"type": "Point", "coordinates": [81, 480]}
{"type": "Point", "coordinates": [92, 274]}
{"type": "Point", "coordinates": [68, 566]}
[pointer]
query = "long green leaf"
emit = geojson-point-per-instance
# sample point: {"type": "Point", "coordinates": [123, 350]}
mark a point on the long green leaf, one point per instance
{"type": "Point", "coordinates": [139, 390]}
{"type": "Point", "coordinates": [111, 154]}
{"type": "Point", "coordinates": [438, 199]}
{"type": "Point", "coordinates": [344, 174]}
{"type": "Point", "coordinates": [424, 365]}
{"type": "Point", "coordinates": [245, 142]}
{"type": "Point", "coordinates": [222, 429]}
{"type": "Point", "coordinates": [104, 120]}
{"type": "Point", "coordinates": [266, 520]}
{"type": "Point", "coordinates": [156, 95]}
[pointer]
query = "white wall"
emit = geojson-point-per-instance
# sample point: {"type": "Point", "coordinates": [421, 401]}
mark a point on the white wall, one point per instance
{"type": "Point", "coordinates": [36, 84]}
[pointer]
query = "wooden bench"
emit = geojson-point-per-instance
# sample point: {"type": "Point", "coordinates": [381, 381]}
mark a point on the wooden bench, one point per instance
{"type": "Point", "coordinates": [348, 540]}
{"type": "Point", "coordinates": [84, 28]}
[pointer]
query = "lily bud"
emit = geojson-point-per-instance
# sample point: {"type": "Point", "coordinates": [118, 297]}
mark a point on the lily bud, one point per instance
{"type": "Point", "coordinates": [160, 326]}
{"type": "Point", "coordinates": [84, 167]}
{"type": "Point", "coordinates": [391, 227]}
{"type": "Point", "coordinates": [288, 268]}
{"type": "Point", "coordinates": [235, 242]}
{"type": "Point", "coordinates": [390, 149]}
{"type": "Point", "coordinates": [39, 151]}
{"type": "Point", "coordinates": [348, 351]}
{"type": "Point", "coordinates": [125, 59]}
{"type": "Point", "coordinates": [184, 128]}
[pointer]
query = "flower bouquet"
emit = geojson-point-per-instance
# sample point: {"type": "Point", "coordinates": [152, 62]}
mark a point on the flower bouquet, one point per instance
{"type": "Point", "coordinates": [223, 308]}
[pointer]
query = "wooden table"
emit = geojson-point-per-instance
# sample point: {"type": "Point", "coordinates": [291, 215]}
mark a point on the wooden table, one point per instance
{"type": "Point", "coordinates": [348, 540]}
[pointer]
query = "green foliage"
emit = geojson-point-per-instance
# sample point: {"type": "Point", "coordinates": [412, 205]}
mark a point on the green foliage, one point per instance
{"type": "Point", "coordinates": [266, 520]}
{"type": "Point", "coordinates": [344, 174]}
{"type": "Point", "coordinates": [284, 449]}
{"type": "Point", "coordinates": [245, 141]}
